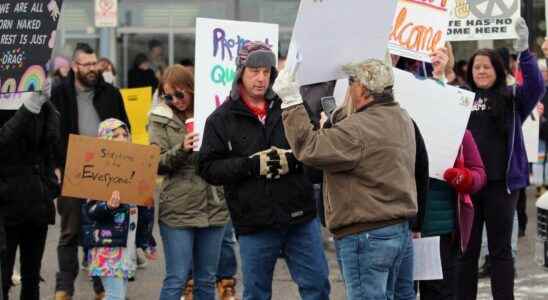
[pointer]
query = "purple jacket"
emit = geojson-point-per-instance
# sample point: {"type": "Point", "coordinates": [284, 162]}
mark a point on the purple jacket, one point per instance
{"type": "Point", "coordinates": [527, 96]}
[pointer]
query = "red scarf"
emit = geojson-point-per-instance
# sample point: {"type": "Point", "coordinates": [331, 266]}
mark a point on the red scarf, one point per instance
{"type": "Point", "coordinates": [260, 111]}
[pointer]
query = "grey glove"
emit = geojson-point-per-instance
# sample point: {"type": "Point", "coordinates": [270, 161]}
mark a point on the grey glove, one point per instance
{"type": "Point", "coordinates": [522, 43]}
{"type": "Point", "coordinates": [287, 88]}
{"type": "Point", "coordinates": [35, 100]}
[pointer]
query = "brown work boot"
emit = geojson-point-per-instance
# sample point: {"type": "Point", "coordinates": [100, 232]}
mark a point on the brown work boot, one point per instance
{"type": "Point", "coordinates": [61, 295]}
{"type": "Point", "coordinates": [227, 289]}
{"type": "Point", "coordinates": [187, 292]}
{"type": "Point", "coordinates": [100, 296]}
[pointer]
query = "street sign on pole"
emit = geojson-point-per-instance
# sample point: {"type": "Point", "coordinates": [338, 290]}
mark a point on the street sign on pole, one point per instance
{"type": "Point", "coordinates": [106, 13]}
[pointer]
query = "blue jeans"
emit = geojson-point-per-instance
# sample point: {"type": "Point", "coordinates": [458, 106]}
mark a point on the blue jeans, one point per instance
{"type": "Point", "coordinates": [115, 288]}
{"type": "Point", "coordinates": [371, 261]}
{"type": "Point", "coordinates": [227, 262]}
{"type": "Point", "coordinates": [405, 286]}
{"type": "Point", "coordinates": [195, 249]}
{"type": "Point", "coordinates": [301, 245]}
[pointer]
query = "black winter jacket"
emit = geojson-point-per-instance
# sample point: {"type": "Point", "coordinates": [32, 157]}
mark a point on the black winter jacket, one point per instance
{"type": "Point", "coordinates": [108, 103]}
{"type": "Point", "coordinates": [233, 134]}
{"type": "Point", "coordinates": [27, 180]}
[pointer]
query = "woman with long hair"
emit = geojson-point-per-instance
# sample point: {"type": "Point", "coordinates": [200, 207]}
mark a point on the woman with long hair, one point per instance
{"type": "Point", "coordinates": [192, 214]}
{"type": "Point", "coordinates": [495, 123]}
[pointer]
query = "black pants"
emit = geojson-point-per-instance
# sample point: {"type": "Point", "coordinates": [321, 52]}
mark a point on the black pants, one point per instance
{"type": "Point", "coordinates": [445, 289]}
{"type": "Point", "coordinates": [522, 210]}
{"type": "Point", "coordinates": [2, 293]}
{"type": "Point", "coordinates": [494, 206]}
{"type": "Point", "coordinates": [31, 241]}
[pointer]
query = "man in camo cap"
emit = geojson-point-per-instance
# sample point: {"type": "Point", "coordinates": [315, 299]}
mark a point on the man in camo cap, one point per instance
{"type": "Point", "coordinates": [368, 158]}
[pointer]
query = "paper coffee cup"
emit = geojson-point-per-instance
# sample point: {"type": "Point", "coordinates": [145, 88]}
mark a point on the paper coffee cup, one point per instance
{"type": "Point", "coordinates": [189, 125]}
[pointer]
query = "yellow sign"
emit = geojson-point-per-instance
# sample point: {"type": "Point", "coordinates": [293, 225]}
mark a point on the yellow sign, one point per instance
{"type": "Point", "coordinates": [138, 103]}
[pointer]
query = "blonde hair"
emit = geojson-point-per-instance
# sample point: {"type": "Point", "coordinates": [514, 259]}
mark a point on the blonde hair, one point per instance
{"type": "Point", "coordinates": [179, 77]}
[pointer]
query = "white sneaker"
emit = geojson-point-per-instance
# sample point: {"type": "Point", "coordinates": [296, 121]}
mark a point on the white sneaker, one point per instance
{"type": "Point", "coordinates": [142, 261]}
{"type": "Point", "coordinates": [16, 278]}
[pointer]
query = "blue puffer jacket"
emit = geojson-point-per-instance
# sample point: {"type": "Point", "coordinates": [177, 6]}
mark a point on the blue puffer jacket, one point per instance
{"type": "Point", "coordinates": [105, 227]}
{"type": "Point", "coordinates": [527, 96]}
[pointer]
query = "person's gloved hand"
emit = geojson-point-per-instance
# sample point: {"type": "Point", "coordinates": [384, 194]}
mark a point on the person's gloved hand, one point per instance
{"type": "Point", "coordinates": [262, 157]}
{"type": "Point", "coordinates": [287, 88]}
{"type": "Point", "coordinates": [460, 179]}
{"type": "Point", "coordinates": [522, 43]}
{"type": "Point", "coordinates": [36, 100]}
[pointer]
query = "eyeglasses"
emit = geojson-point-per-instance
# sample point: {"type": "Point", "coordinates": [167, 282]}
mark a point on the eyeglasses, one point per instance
{"type": "Point", "coordinates": [88, 65]}
{"type": "Point", "coordinates": [177, 95]}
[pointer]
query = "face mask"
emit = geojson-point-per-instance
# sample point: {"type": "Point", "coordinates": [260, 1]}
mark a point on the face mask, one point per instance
{"type": "Point", "coordinates": [108, 77]}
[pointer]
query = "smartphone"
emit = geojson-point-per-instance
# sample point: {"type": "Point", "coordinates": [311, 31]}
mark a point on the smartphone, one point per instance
{"type": "Point", "coordinates": [328, 105]}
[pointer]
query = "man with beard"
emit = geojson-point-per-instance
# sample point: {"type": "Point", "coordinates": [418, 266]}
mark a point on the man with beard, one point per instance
{"type": "Point", "coordinates": [84, 100]}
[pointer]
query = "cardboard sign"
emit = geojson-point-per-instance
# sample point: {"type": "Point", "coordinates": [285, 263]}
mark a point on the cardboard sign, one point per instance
{"type": "Point", "coordinates": [440, 111]}
{"type": "Point", "coordinates": [95, 168]}
{"type": "Point", "coordinates": [331, 33]}
{"type": "Point", "coordinates": [483, 19]}
{"type": "Point", "coordinates": [27, 37]}
{"type": "Point", "coordinates": [137, 103]}
{"type": "Point", "coordinates": [419, 28]}
{"type": "Point", "coordinates": [217, 46]}
{"type": "Point", "coordinates": [106, 13]}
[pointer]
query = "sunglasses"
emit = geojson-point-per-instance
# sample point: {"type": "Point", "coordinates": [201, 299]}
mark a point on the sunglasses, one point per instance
{"type": "Point", "coordinates": [177, 95]}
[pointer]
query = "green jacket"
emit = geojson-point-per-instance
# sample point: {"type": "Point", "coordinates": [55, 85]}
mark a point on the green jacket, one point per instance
{"type": "Point", "coordinates": [186, 200]}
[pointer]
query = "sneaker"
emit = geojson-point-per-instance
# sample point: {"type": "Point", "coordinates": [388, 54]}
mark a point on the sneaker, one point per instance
{"type": "Point", "coordinates": [187, 292]}
{"type": "Point", "coordinates": [227, 289]}
{"type": "Point", "coordinates": [142, 261]}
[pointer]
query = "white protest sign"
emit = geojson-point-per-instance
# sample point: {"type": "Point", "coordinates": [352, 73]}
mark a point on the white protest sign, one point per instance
{"type": "Point", "coordinates": [531, 128]}
{"type": "Point", "coordinates": [440, 111]}
{"type": "Point", "coordinates": [331, 33]}
{"type": "Point", "coordinates": [13, 101]}
{"type": "Point", "coordinates": [217, 46]}
{"type": "Point", "coordinates": [106, 13]}
{"type": "Point", "coordinates": [483, 19]}
{"type": "Point", "coordinates": [427, 259]}
{"type": "Point", "coordinates": [419, 28]}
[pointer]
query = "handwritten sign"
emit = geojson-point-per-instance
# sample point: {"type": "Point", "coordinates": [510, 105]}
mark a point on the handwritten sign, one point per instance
{"type": "Point", "coordinates": [137, 103]}
{"type": "Point", "coordinates": [27, 37]}
{"type": "Point", "coordinates": [483, 19]}
{"type": "Point", "coordinates": [440, 111]}
{"type": "Point", "coordinates": [217, 46]}
{"type": "Point", "coordinates": [329, 34]}
{"type": "Point", "coordinates": [95, 168]}
{"type": "Point", "coordinates": [106, 13]}
{"type": "Point", "coordinates": [419, 28]}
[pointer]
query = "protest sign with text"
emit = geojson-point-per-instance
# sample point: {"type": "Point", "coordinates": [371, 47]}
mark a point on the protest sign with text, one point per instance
{"type": "Point", "coordinates": [483, 19]}
{"type": "Point", "coordinates": [137, 103]}
{"type": "Point", "coordinates": [27, 37]}
{"type": "Point", "coordinates": [419, 28]}
{"type": "Point", "coordinates": [217, 46]}
{"type": "Point", "coordinates": [331, 33]}
{"type": "Point", "coordinates": [96, 167]}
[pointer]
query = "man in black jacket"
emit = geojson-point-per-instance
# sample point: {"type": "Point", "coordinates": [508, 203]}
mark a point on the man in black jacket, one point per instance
{"type": "Point", "coordinates": [268, 195]}
{"type": "Point", "coordinates": [27, 189]}
{"type": "Point", "coordinates": [84, 100]}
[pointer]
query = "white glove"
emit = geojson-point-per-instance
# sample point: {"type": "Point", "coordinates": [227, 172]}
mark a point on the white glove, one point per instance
{"type": "Point", "coordinates": [287, 88]}
{"type": "Point", "coordinates": [522, 43]}
{"type": "Point", "coordinates": [35, 101]}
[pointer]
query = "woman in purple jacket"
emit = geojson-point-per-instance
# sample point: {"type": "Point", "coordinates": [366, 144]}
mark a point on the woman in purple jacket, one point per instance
{"type": "Point", "coordinates": [495, 123]}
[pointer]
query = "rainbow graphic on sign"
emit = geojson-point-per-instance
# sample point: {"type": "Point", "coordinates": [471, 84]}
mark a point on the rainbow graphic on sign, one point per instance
{"type": "Point", "coordinates": [9, 86]}
{"type": "Point", "coordinates": [33, 79]}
